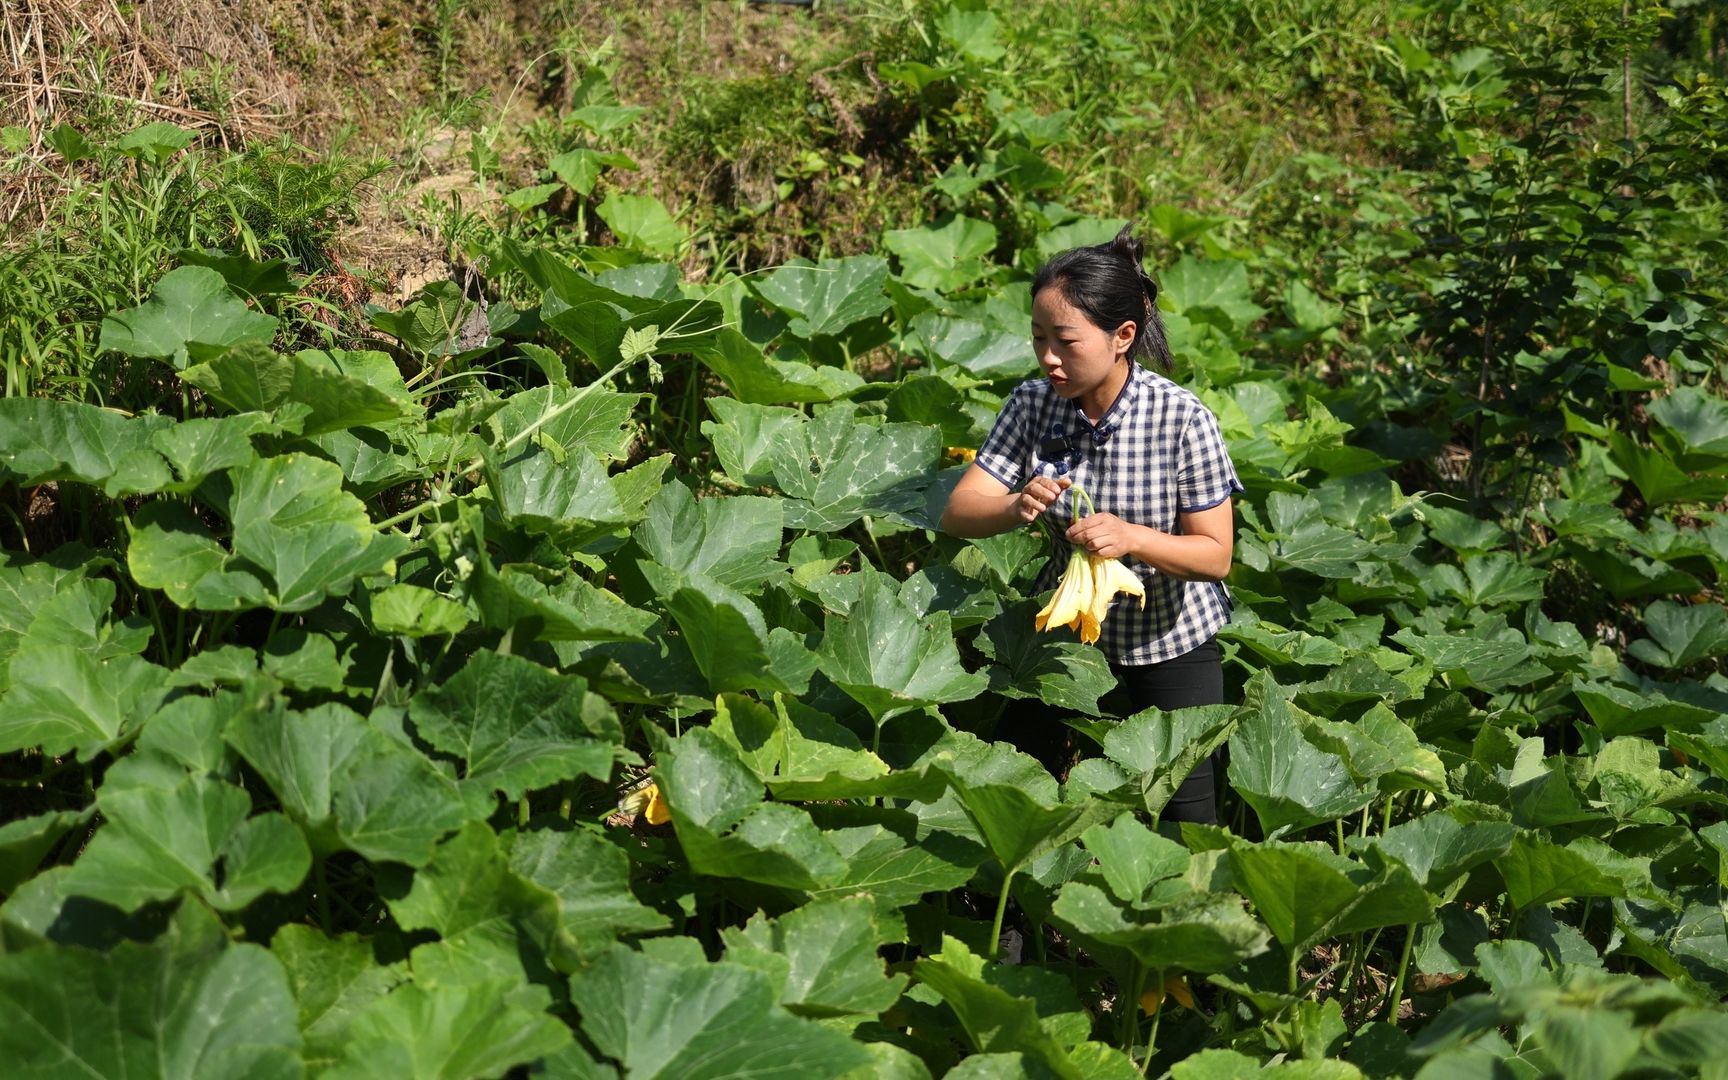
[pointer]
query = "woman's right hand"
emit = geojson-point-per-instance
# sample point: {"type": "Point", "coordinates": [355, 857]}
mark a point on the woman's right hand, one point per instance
{"type": "Point", "coordinates": [1038, 494]}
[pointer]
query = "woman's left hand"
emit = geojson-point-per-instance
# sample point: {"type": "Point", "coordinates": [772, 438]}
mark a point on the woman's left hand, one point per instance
{"type": "Point", "coordinates": [1104, 535]}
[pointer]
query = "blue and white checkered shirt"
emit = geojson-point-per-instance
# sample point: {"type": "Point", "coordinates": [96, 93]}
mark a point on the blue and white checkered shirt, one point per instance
{"type": "Point", "coordinates": [1156, 453]}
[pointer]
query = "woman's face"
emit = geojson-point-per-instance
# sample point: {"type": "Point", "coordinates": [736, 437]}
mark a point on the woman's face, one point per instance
{"type": "Point", "coordinates": [1077, 357]}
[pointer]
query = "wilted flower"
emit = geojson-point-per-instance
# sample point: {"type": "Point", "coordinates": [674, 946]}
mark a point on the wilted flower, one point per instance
{"type": "Point", "coordinates": [1083, 596]}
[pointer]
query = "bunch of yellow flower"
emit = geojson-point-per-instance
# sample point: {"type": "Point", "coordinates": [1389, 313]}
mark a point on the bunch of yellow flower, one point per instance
{"type": "Point", "coordinates": [1083, 596]}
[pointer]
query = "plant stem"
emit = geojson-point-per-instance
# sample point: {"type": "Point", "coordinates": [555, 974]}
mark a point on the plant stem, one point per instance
{"type": "Point", "coordinates": [1403, 967]}
{"type": "Point", "coordinates": [1001, 908]}
{"type": "Point", "coordinates": [1157, 1015]}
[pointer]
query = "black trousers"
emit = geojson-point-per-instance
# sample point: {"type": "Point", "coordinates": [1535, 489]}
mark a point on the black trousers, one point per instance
{"type": "Point", "coordinates": [1194, 678]}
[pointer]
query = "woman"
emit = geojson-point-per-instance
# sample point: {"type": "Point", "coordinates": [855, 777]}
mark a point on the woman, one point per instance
{"type": "Point", "coordinates": [1150, 456]}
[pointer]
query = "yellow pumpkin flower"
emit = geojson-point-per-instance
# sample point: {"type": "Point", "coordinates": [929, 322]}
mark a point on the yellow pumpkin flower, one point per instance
{"type": "Point", "coordinates": [646, 802]}
{"type": "Point", "coordinates": [959, 455]}
{"type": "Point", "coordinates": [1083, 596]}
{"type": "Point", "coordinates": [1176, 986]}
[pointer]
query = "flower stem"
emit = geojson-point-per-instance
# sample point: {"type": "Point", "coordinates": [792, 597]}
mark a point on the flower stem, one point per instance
{"type": "Point", "coordinates": [1001, 907]}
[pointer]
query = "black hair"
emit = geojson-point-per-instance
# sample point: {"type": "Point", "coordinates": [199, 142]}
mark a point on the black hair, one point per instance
{"type": "Point", "coordinates": [1110, 287]}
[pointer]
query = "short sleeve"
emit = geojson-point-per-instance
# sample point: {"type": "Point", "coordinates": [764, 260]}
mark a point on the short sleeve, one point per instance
{"type": "Point", "coordinates": [1007, 449]}
{"type": "Point", "coordinates": [1204, 475]}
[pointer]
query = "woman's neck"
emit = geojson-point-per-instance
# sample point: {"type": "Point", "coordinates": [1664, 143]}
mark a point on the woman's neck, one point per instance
{"type": "Point", "coordinates": [1098, 402]}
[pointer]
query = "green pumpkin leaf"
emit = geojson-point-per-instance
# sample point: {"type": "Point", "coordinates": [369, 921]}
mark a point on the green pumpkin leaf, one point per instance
{"type": "Point", "coordinates": [25, 841]}
{"type": "Point", "coordinates": [64, 700]}
{"type": "Point", "coordinates": [491, 922]}
{"type": "Point", "coordinates": [167, 831]}
{"type": "Point", "coordinates": [986, 350]}
{"type": "Point", "coordinates": [253, 378]}
{"type": "Point", "coordinates": [1290, 782]}
{"type": "Point", "coordinates": [311, 539]}
{"type": "Point", "coordinates": [466, 1030]}
{"type": "Point", "coordinates": [733, 541]}
{"type": "Point", "coordinates": [189, 1004]}
{"type": "Point", "coordinates": [348, 784]}
{"type": "Point", "coordinates": [1682, 634]}
{"type": "Point", "coordinates": [658, 1018]}
{"type": "Point", "coordinates": [1540, 872]}
{"type": "Point", "coordinates": [1437, 849]}
{"type": "Point", "coordinates": [889, 660]}
{"type": "Point", "coordinates": [758, 380]}
{"type": "Point", "coordinates": [642, 222]}
{"type": "Point", "coordinates": [591, 879]}
{"type": "Point", "coordinates": [190, 311]}
{"type": "Point", "coordinates": [1029, 664]}
{"type": "Point", "coordinates": [837, 470]}
{"type": "Point", "coordinates": [515, 726]}
{"type": "Point", "coordinates": [1202, 932]}
{"type": "Point", "coordinates": [830, 296]}
{"type": "Point", "coordinates": [824, 957]}
{"type": "Point", "coordinates": [43, 440]}
{"type": "Point", "coordinates": [333, 979]}
{"type": "Point", "coordinates": [173, 550]}
{"type": "Point", "coordinates": [725, 828]}
{"type": "Point", "coordinates": [994, 1020]}
{"type": "Point", "coordinates": [1306, 898]}
{"type": "Point", "coordinates": [943, 257]}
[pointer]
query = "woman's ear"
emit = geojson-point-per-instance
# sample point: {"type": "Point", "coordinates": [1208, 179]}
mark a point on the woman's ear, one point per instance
{"type": "Point", "coordinates": [1123, 339]}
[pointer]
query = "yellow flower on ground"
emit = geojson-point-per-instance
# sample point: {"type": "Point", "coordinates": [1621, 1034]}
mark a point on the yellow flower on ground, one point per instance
{"type": "Point", "coordinates": [959, 455]}
{"type": "Point", "coordinates": [646, 802]}
{"type": "Point", "coordinates": [1083, 596]}
{"type": "Point", "coordinates": [1176, 986]}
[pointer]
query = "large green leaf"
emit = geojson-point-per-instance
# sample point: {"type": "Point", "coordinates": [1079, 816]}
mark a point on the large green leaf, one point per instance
{"type": "Point", "coordinates": [733, 541]}
{"type": "Point", "coordinates": [566, 419]}
{"type": "Point", "coordinates": [1380, 748]}
{"type": "Point", "coordinates": [568, 497]}
{"type": "Point", "coordinates": [513, 598]}
{"type": "Point", "coordinates": [167, 831]}
{"type": "Point", "coordinates": [1149, 755]}
{"type": "Point", "coordinates": [1698, 423]}
{"type": "Point", "coordinates": [760, 380]}
{"type": "Point", "coordinates": [1540, 872]}
{"type": "Point", "coordinates": [1618, 711]}
{"type": "Point", "coordinates": [822, 955]}
{"type": "Point", "coordinates": [995, 1021]}
{"type": "Point", "coordinates": [333, 980]}
{"type": "Point", "coordinates": [802, 754]}
{"type": "Point", "coordinates": [24, 841]}
{"type": "Point", "coordinates": [1017, 828]}
{"type": "Point", "coordinates": [943, 257]}
{"type": "Point", "coordinates": [490, 921]}
{"type": "Point", "coordinates": [293, 521]}
{"type": "Point", "coordinates": [725, 828]}
{"type": "Point", "coordinates": [730, 640]}
{"type": "Point", "coordinates": [744, 437]}
{"type": "Point", "coordinates": [347, 783]}
{"type": "Point", "coordinates": [664, 1020]}
{"type": "Point", "coordinates": [191, 313]}
{"type": "Point", "coordinates": [1199, 288]}
{"type": "Point", "coordinates": [1028, 664]}
{"type": "Point", "coordinates": [189, 1004]}
{"type": "Point", "coordinates": [838, 469]}
{"type": "Point", "coordinates": [1438, 849]}
{"type": "Point", "coordinates": [1307, 896]}
{"type": "Point", "coordinates": [591, 879]}
{"type": "Point", "coordinates": [515, 726]}
{"type": "Point", "coordinates": [1202, 932]}
{"type": "Point", "coordinates": [1290, 782]}
{"type": "Point", "coordinates": [1682, 634]}
{"type": "Point", "coordinates": [888, 659]}
{"type": "Point", "coordinates": [42, 439]}
{"type": "Point", "coordinates": [642, 222]}
{"type": "Point", "coordinates": [830, 296]}
{"type": "Point", "coordinates": [172, 549]}
{"type": "Point", "coordinates": [310, 397]}
{"type": "Point", "coordinates": [65, 700]}
{"type": "Point", "coordinates": [893, 858]}
{"type": "Point", "coordinates": [987, 350]}
{"type": "Point", "coordinates": [448, 1031]}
